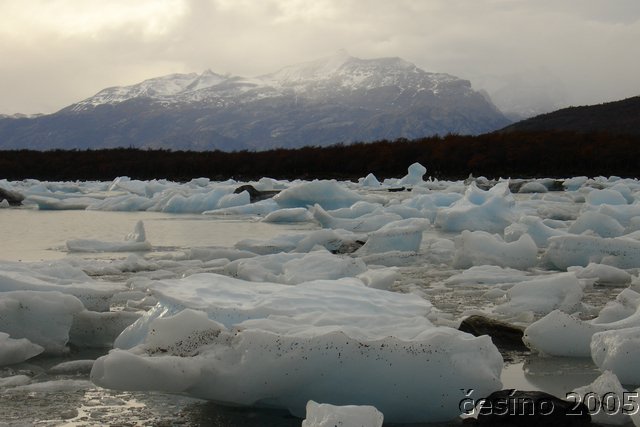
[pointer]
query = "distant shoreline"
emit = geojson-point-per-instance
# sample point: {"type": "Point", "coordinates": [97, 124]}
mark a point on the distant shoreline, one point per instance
{"type": "Point", "coordinates": [514, 154]}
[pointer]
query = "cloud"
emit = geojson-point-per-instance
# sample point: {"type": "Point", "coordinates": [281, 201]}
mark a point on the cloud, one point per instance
{"type": "Point", "coordinates": [73, 48]}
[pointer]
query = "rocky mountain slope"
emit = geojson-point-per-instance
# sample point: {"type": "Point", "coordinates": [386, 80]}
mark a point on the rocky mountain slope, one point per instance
{"type": "Point", "coordinates": [332, 100]}
{"type": "Point", "coordinates": [619, 118]}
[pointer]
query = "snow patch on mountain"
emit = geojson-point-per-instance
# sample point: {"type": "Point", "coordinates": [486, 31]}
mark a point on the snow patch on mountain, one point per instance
{"type": "Point", "coordinates": [340, 73]}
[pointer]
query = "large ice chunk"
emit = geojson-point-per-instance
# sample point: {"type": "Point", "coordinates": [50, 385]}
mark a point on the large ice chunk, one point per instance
{"type": "Point", "coordinates": [567, 251]}
{"type": "Point", "coordinates": [363, 224]}
{"type": "Point", "coordinates": [369, 181]}
{"type": "Point", "coordinates": [615, 350]}
{"type": "Point", "coordinates": [534, 227]}
{"type": "Point", "coordinates": [482, 248]}
{"type": "Point", "coordinates": [560, 291]}
{"type": "Point", "coordinates": [295, 268]}
{"type": "Point", "coordinates": [608, 398]}
{"type": "Point", "coordinates": [58, 276]}
{"type": "Point", "coordinates": [325, 415]}
{"type": "Point", "coordinates": [601, 224]}
{"type": "Point", "coordinates": [289, 215]}
{"type": "Point", "coordinates": [274, 345]}
{"type": "Point", "coordinates": [415, 172]}
{"type": "Point", "coordinates": [133, 242]}
{"type": "Point", "coordinates": [16, 350]}
{"type": "Point", "coordinates": [605, 196]}
{"type": "Point", "coordinates": [561, 334]}
{"type": "Point", "coordinates": [328, 194]}
{"type": "Point", "coordinates": [404, 235]}
{"type": "Point", "coordinates": [490, 210]}
{"type": "Point", "coordinates": [44, 318]}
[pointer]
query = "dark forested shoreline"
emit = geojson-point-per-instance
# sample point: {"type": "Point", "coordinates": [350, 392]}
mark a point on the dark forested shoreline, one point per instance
{"type": "Point", "coordinates": [515, 154]}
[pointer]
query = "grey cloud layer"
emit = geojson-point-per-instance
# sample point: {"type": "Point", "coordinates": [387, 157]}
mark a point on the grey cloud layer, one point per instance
{"type": "Point", "coordinates": [587, 48]}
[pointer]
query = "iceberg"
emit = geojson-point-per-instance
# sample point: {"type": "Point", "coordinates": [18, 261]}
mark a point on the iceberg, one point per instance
{"type": "Point", "coordinates": [289, 215]}
{"type": "Point", "coordinates": [404, 235]}
{"type": "Point", "coordinates": [273, 345]}
{"type": "Point", "coordinates": [614, 350]}
{"type": "Point", "coordinates": [415, 172]}
{"type": "Point", "coordinates": [490, 211]}
{"type": "Point", "coordinates": [481, 248]}
{"type": "Point", "coordinates": [44, 318]}
{"type": "Point", "coordinates": [134, 242]}
{"type": "Point", "coordinates": [561, 334]}
{"type": "Point", "coordinates": [542, 295]}
{"type": "Point", "coordinates": [534, 227]}
{"type": "Point", "coordinates": [328, 194]}
{"type": "Point", "coordinates": [362, 224]}
{"type": "Point", "coordinates": [325, 415]}
{"type": "Point", "coordinates": [567, 251]}
{"type": "Point", "coordinates": [295, 268]}
{"type": "Point", "coordinates": [601, 224]}
{"type": "Point", "coordinates": [607, 395]}
{"type": "Point", "coordinates": [370, 181]}
{"type": "Point", "coordinates": [16, 350]}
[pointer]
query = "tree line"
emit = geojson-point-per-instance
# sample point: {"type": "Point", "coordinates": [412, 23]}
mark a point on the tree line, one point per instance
{"type": "Point", "coordinates": [514, 154]}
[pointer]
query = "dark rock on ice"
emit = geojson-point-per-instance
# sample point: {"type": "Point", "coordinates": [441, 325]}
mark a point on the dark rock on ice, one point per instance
{"type": "Point", "coordinates": [504, 335]}
{"type": "Point", "coordinates": [255, 195]}
{"type": "Point", "coordinates": [14, 199]}
{"type": "Point", "coordinates": [530, 408]}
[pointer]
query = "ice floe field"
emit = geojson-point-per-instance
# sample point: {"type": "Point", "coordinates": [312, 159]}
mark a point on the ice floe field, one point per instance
{"type": "Point", "coordinates": [163, 303]}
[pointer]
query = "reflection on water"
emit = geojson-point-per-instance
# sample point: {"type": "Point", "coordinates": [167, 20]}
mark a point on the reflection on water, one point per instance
{"type": "Point", "coordinates": [33, 235]}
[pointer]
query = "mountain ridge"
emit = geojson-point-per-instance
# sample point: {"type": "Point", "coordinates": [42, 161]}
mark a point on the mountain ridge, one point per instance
{"type": "Point", "coordinates": [335, 99]}
{"type": "Point", "coordinates": [615, 117]}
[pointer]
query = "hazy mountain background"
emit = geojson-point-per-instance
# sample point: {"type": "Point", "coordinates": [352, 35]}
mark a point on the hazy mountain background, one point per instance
{"type": "Point", "coordinates": [336, 99]}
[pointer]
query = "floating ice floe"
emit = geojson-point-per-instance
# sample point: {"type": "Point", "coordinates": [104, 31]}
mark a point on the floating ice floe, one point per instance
{"type": "Point", "coordinates": [415, 172]}
{"type": "Point", "coordinates": [480, 248]}
{"type": "Point", "coordinates": [599, 223]}
{"type": "Point", "coordinates": [362, 224]}
{"type": "Point", "coordinates": [289, 215]}
{"type": "Point", "coordinates": [561, 334]}
{"type": "Point", "coordinates": [490, 211]}
{"type": "Point", "coordinates": [609, 401]}
{"type": "Point", "coordinates": [533, 187]}
{"type": "Point", "coordinates": [68, 203]}
{"type": "Point", "coordinates": [602, 274]}
{"type": "Point", "coordinates": [605, 197]}
{"type": "Point", "coordinates": [44, 318]}
{"type": "Point", "coordinates": [275, 345]}
{"type": "Point", "coordinates": [404, 235]}
{"type": "Point", "coordinates": [535, 228]}
{"type": "Point", "coordinates": [542, 295]}
{"type": "Point", "coordinates": [567, 251]}
{"type": "Point", "coordinates": [134, 242]}
{"type": "Point", "coordinates": [60, 277]}
{"type": "Point", "coordinates": [325, 415]}
{"type": "Point", "coordinates": [295, 268]}
{"type": "Point", "coordinates": [488, 275]}
{"type": "Point", "coordinates": [16, 350]}
{"type": "Point", "coordinates": [616, 350]}
{"type": "Point", "coordinates": [369, 181]}
{"type": "Point", "coordinates": [328, 194]}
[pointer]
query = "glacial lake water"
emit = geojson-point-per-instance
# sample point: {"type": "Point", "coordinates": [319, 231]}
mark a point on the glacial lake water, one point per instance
{"type": "Point", "coordinates": [33, 235]}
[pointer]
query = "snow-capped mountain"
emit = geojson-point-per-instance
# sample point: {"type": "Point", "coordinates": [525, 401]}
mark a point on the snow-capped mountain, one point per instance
{"type": "Point", "coordinates": [336, 99]}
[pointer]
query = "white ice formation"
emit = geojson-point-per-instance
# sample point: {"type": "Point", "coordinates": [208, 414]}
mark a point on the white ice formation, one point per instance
{"type": "Point", "coordinates": [275, 345]}
{"type": "Point", "coordinates": [133, 242]}
{"type": "Point", "coordinates": [326, 415]}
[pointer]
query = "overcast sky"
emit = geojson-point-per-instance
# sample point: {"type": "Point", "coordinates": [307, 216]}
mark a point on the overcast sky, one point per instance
{"type": "Point", "coordinates": [56, 52]}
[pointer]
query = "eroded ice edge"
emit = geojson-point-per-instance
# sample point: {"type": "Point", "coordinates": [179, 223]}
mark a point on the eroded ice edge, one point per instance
{"type": "Point", "coordinates": [357, 307]}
